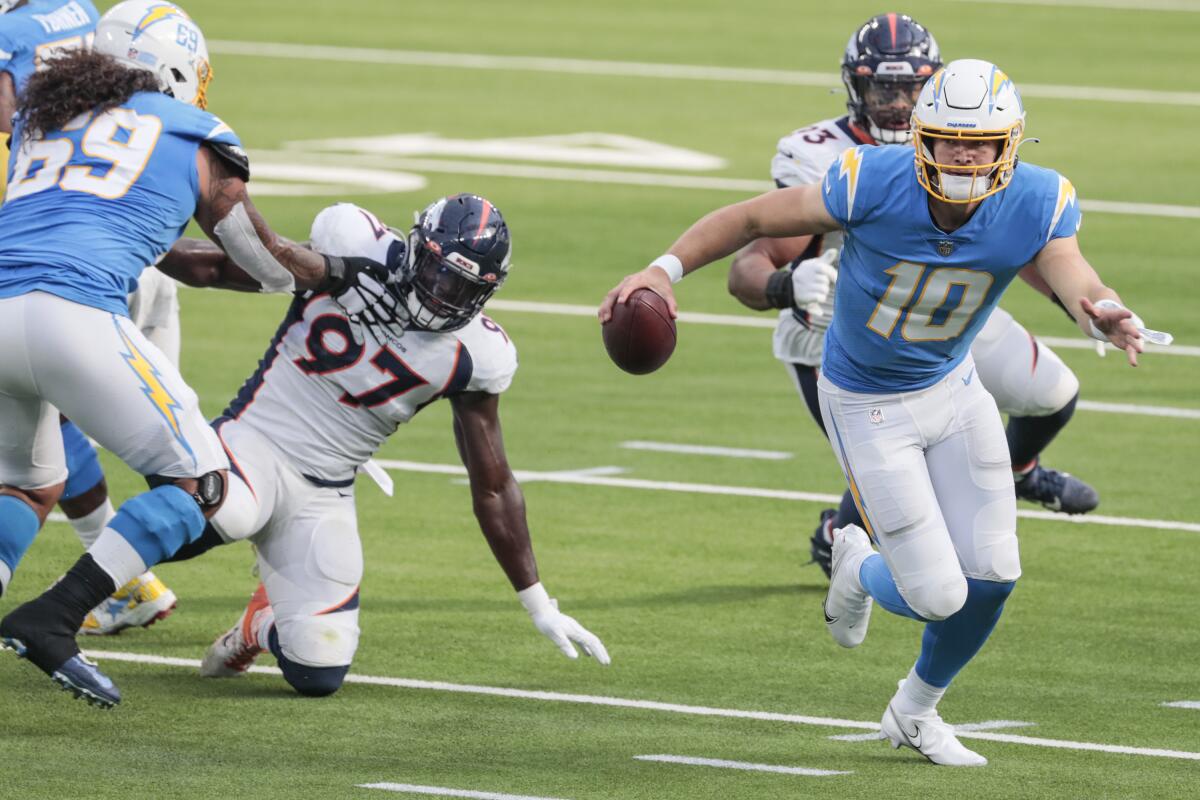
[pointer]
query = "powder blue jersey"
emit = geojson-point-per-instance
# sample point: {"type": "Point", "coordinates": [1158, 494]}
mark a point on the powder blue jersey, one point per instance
{"type": "Point", "coordinates": [90, 206]}
{"type": "Point", "coordinates": [910, 297]}
{"type": "Point", "coordinates": [32, 33]}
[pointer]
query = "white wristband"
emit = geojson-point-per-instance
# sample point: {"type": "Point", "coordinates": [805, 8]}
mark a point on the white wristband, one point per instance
{"type": "Point", "coordinates": [1100, 335]}
{"type": "Point", "coordinates": [670, 265]}
{"type": "Point", "coordinates": [535, 599]}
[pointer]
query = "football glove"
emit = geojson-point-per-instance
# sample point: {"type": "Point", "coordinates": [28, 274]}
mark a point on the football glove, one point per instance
{"type": "Point", "coordinates": [358, 286]}
{"type": "Point", "coordinates": [559, 628]}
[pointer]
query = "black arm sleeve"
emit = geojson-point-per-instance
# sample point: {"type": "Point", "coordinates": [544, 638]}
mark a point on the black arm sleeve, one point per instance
{"type": "Point", "coordinates": [233, 156]}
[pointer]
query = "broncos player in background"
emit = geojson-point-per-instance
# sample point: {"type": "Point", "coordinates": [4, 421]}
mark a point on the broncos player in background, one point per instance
{"type": "Point", "coordinates": [32, 32]}
{"type": "Point", "coordinates": [886, 62]}
{"type": "Point", "coordinates": [114, 154]}
{"type": "Point", "coordinates": [362, 367]}
{"type": "Point", "coordinates": [927, 253]}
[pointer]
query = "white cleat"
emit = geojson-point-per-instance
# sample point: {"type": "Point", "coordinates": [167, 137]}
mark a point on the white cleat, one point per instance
{"type": "Point", "coordinates": [930, 736]}
{"type": "Point", "coordinates": [234, 651]}
{"type": "Point", "coordinates": [140, 603]}
{"type": "Point", "coordinates": [847, 605]}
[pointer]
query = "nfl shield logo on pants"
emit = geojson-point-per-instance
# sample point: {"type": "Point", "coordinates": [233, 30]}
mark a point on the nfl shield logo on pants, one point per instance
{"type": "Point", "coordinates": [875, 415]}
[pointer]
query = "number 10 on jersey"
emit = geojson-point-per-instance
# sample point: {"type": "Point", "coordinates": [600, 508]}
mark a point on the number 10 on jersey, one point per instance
{"type": "Point", "coordinates": [936, 315]}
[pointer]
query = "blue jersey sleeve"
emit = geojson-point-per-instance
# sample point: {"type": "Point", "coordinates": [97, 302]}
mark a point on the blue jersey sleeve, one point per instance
{"type": "Point", "coordinates": [1065, 217]}
{"type": "Point", "coordinates": [850, 197]}
{"type": "Point", "coordinates": [8, 51]}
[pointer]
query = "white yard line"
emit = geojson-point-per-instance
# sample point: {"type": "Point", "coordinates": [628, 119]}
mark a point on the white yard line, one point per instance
{"type": "Point", "coordinates": [1184, 704]}
{"type": "Point", "coordinates": [441, 791]}
{"type": "Point", "coordinates": [768, 494]}
{"type": "Point", "coordinates": [989, 725]}
{"type": "Point", "coordinates": [651, 705]}
{"type": "Point", "coordinates": [637, 69]}
{"type": "Point", "coordinates": [708, 450]}
{"type": "Point", "coordinates": [1149, 411]}
{"type": "Point", "coordinates": [742, 765]}
{"type": "Point", "coordinates": [1186, 6]}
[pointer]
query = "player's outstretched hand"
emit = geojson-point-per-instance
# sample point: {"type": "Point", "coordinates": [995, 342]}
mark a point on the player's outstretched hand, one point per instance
{"type": "Point", "coordinates": [357, 285]}
{"type": "Point", "coordinates": [559, 628]}
{"type": "Point", "coordinates": [812, 279]}
{"type": "Point", "coordinates": [1117, 323]}
{"type": "Point", "coordinates": [651, 278]}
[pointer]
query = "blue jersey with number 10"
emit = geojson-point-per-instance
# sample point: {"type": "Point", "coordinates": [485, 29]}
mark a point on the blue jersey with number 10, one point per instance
{"type": "Point", "coordinates": [910, 297]}
{"type": "Point", "coordinates": [90, 206]}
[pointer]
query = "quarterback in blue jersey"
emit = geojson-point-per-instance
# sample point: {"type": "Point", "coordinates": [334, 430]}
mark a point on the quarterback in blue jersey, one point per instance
{"type": "Point", "coordinates": [930, 244]}
{"type": "Point", "coordinates": [113, 154]}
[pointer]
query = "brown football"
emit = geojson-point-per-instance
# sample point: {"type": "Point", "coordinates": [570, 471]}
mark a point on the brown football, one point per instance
{"type": "Point", "coordinates": [640, 337]}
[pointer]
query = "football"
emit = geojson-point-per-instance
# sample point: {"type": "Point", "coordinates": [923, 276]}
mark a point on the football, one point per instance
{"type": "Point", "coordinates": [640, 337]}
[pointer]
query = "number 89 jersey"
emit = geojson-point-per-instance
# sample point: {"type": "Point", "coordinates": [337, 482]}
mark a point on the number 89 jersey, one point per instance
{"type": "Point", "coordinates": [89, 206]}
{"type": "Point", "coordinates": [910, 297]}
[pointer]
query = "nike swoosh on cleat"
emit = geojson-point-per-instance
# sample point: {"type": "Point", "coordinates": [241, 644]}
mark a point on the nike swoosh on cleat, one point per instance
{"type": "Point", "coordinates": [913, 738]}
{"type": "Point", "coordinates": [828, 619]}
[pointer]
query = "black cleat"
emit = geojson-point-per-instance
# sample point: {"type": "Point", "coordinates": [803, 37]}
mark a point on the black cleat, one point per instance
{"type": "Point", "coordinates": [821, 543]}
{"type": "Point", "coordinates": [56, 654]}
{"type": "Point", "coordinates": [1057, 491]}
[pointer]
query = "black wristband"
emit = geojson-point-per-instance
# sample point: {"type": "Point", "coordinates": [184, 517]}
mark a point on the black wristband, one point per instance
{"type": "Point", "coordinates": [1058, 302]}
{"type": "Point", "coordinates": [779, 289]}
{"type": "Point", "coordinates": [335, 275]}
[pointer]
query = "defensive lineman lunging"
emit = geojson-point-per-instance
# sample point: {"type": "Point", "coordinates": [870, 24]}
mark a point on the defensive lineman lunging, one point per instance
{"type": "Point", "coordinates": [927, 253]}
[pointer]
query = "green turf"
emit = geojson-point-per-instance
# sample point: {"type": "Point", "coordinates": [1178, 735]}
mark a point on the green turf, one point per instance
{"type": "Point", "coordinates": [702, 600]}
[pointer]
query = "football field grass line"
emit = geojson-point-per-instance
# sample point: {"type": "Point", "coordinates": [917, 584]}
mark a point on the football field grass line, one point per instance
{"type": "Point", "coordinates": [745, 766]}
{"type": "Point", "coordinates": [768, 323]}
{"type": "Point", "coordinates": [1149, 411]}
{"type": "Point", "coordinates": [708, 450]}
{"type": "Point", "coordinates": [641, 69]}
{"type": "Point", "coordinates": [441, 791]}
{"type": "Point", "coordinates": [988, 725]}
{"type": "Point", "coordinates": [1119, 5]}
{"type": "Point", "coordinates": [458, 470]}
{"type": "Point", "coordinates": [653, 705]}
{"type": "Point", "coordinates": [278, 160]}
{"type": "Point", "coordinates": [1184, 704]}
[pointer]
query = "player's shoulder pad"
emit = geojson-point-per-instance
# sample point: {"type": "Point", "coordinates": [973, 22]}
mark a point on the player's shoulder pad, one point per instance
{"type": "Point", "coordinates": [1052, 196]}
{"type": "Point", "coordinates": [864, 179]}
{"type": "Point", "coordinates": [803, 156]}
{"type": "Point", "coordinates": [493, 355]}
{"type": "Point", "coordinates": [185, 121]}
{"type": "Point", "coordinates": [345, 229]}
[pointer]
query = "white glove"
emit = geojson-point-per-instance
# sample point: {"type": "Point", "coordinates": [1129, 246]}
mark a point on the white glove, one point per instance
{"type": "Point", "coordinates": [812, 279]}
{"type": "Point", "coordinates": [558, 627]}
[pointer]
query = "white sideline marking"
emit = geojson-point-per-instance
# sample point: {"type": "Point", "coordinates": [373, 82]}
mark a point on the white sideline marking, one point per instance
{"type": "Point", "coordinates": [707, 450]}
{"type": "Point", "coordinates": [636, 69]}
{"type": "Point", "coordinates": [286, 160]}
{"type": "Point", "coordinates": [1149, 411]}
{"type": "Point", "coordinates": [768, 323]}
{"type": "Point", "coordinates": [1132, 5]}
{"type": "Point", "coordinates": [651, 705]}
{"type": "Point", "coordinates": [1184, 704]}
{"type": "Point", "coordinates": [769, 494]}
{"type": "Point", "coordinates": [742, 765]}
{"type": "Point", "coordinates": [989, 725]}
{"type": "Point", "coordinates": [411, 788]}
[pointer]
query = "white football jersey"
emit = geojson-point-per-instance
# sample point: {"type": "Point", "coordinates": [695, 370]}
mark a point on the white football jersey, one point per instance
{"type": "Point", "coordinates": [803, 158]}
{"type": "Point", "coordinates": [328, 402]}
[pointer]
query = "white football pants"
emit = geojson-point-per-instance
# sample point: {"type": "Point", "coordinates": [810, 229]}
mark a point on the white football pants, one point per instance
{"type": "Point", "coordinates": [101, 372]}
{"type": "Point", "coordinates": [309, 554]}
{"type": "Point", "coordinates": [930, 472]}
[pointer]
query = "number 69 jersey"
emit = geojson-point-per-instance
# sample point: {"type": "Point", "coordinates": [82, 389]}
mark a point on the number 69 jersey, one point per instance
{"type": "Point", "coordinates": [328, 402]}
{"type": "Point", "coordinates": [910, 297]}
{"type": "Point", "coordinates": [89, 206]}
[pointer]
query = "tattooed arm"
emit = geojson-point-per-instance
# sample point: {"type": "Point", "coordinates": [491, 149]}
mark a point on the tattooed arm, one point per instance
{"type": "Point", "coordinates": [227, 216]}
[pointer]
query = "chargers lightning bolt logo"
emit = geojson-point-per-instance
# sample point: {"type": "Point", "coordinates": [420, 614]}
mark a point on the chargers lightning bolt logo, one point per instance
{"type": "Point", "coordinates": [851, 160]}
{"type": "Point", "coordinates": [152, 386]}
{"type": "Point", "coordinates": [157, 14]}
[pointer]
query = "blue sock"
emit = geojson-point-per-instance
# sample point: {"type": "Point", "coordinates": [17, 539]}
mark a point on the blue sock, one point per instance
{"type": "Point", "coordinates": [878, 582]}
{"type": "Point", "coordinates": [83, 466]}
{"type": "Point", "coordinates": [948, 645]}
{"type": "Point", "coordinates": [18, 526]}
{"type": "Point", "coordinates": [158, 522]}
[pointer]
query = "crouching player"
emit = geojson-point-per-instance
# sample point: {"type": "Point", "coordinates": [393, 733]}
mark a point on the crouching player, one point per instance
{"type": "Point", "coordinates": [362, 370]}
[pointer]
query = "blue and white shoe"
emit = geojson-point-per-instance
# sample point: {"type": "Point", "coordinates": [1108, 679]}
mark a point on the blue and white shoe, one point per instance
{"type": "Point", "coordinates": [1057, 491]}
{"type": "Point", "coordinates": [77, 675]}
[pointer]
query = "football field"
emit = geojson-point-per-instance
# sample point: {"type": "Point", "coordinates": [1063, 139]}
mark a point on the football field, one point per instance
{"type": "Point", "coordinates": [670, 513]}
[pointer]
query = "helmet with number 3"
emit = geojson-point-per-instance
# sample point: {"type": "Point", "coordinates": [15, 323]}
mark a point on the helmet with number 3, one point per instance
{"type": "Point", "coordinates": [887, 61]}
{"type": "Point", "coordinates": [160, 38]}
{"type": "Point", "coordinates": [458, 256]}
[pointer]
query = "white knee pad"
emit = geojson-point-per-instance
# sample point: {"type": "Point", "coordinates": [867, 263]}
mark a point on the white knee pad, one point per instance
{"type": "Point", "coordinates": [326, 640]}
{"type": "Point", "coordinates": [1027, 378]}
{"type": "Point", "coordinates": [937, 600]}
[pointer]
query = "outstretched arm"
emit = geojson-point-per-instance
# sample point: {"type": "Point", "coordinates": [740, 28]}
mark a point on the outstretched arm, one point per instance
{"type": "Point", "coordinates": [500, 508]}
{"type": "Point", "coordinates": [195, 262]}
{"type": "Point", "coordinates": [796, 211]}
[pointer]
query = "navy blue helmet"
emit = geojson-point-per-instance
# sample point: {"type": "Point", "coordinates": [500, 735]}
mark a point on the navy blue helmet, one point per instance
{"type": "Point", "coordinates": [458, 256]}
{"type": "Point", "coordinates": [886, 63]}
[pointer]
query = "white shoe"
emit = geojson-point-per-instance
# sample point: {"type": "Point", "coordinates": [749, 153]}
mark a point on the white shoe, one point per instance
{"type": "Point", "coordinates": [140, 603]}
{"type": "Point", "coordinates": [235, 650]}
{"type": "Point", "coordinates": [847, 605]}
{"type": "Point", "coordinates": [930, 736]}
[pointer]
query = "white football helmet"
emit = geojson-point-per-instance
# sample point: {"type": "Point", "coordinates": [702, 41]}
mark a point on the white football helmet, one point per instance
{"type": "Point", "coordinates": [968, 100]}
{"type": "Point", "coordinates": [160, 38]}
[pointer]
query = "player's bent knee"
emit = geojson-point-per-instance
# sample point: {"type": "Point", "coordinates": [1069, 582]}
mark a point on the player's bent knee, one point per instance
{"type": "Point", "coordinates": [208, 490]}
{"type": "Point", "coordinates": [314, 655]}
{"type": "Point", "coordinates": [938, 601]}
{"type": "Point", "coordinates": [313, 681]}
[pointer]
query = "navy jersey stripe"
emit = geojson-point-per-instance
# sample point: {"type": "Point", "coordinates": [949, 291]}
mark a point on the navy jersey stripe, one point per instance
{"type": "Point", "coordinates": [245, 395]}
